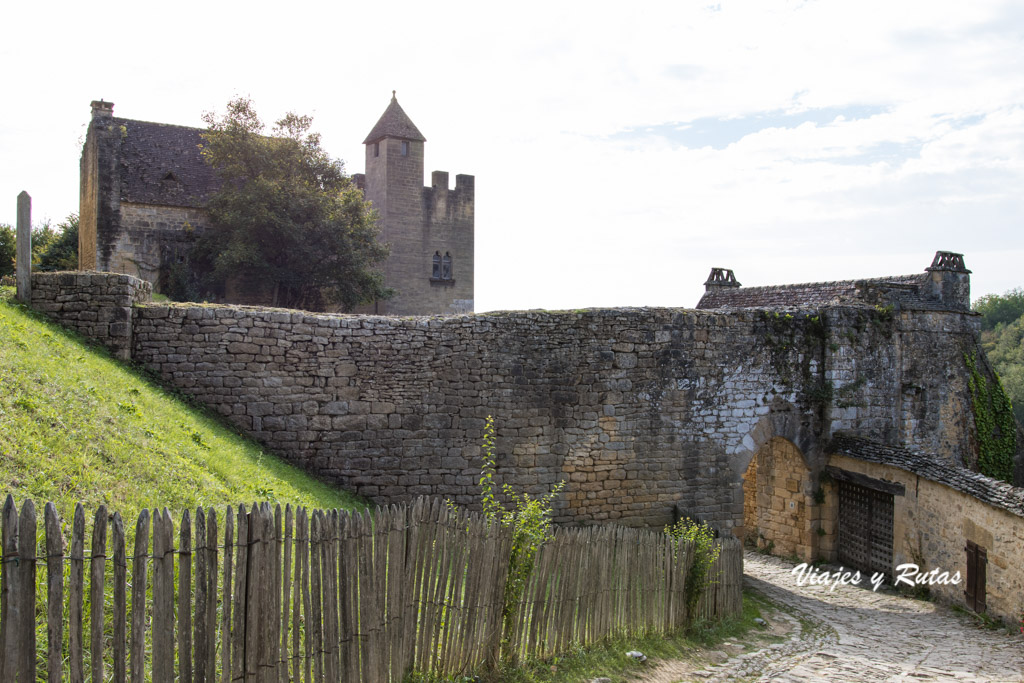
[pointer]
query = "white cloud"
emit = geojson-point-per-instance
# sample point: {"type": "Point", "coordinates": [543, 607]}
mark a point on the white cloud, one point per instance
{"type": "Point", "coordinates": [532, 99]}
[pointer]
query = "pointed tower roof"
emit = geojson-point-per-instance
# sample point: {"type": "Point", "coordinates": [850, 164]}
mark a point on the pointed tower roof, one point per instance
{"type": "Point", "coordinates": [394, 123]}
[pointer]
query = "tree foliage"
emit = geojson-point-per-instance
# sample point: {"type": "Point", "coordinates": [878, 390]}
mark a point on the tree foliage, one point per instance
{"type": "Point", "coordinates": [286, 218]}
{"type": "Point", "coordinates": [1003, 341]}
{"type": "Point", "coordinates": [530, 522]}
{"type": "Point", "coordinates": [53, 247]}
{"type": "Point", "coordinates": [8, 249]}
{"type": "Point", "coordinates": [705, 552]}
{"type": "Point", "coordinates": [999, 309]}
{"type": "Point", "coordinates": [60, 249]}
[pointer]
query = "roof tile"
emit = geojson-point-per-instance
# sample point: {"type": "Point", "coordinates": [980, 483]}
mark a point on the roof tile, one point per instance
{"type": "Point", "coordinates": [161, 164]}
{"type": "Point", "coordinates": [394, 123]}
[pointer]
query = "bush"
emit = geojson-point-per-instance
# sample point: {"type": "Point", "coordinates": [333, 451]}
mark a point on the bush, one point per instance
{"type": "Point", "coordinates": [705, 552]}
{"type": "Point", "coordinates": [530, 522]}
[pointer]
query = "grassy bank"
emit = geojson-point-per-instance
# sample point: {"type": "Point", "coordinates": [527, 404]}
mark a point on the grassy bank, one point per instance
{"type": "Point", "coordinates": [79, 426]}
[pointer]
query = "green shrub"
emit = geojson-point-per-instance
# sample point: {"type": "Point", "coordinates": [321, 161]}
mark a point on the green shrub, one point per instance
{"type": "Point", "coordinates": [705, 552]}
{"type": "Point", "coordinates": [530, 522]}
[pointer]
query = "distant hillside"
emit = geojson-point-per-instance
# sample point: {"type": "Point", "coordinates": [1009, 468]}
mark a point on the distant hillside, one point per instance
{"type": "Point", "coordinates": [1002, 337]}
{"type": "Point", "coordinates": [76, 425]}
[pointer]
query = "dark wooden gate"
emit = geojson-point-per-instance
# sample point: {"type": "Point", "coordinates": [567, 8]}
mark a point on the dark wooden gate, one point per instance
{"type": "Point", "coordinates": [977, 559]}
{"type": "Point", "coordinates": [865, 528]}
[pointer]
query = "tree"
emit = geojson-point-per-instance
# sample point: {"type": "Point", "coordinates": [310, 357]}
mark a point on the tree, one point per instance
{"type": "Point", "coordinates": [1004, 347]}
{"type": "Point", "coordinates": [60, 251]}
{"type": "Point", "coordinates": [286, 216]}
{"type": "Point", "coordinates": [8, 249]}
{"type": "Point", "coordinates": [43, 235]}
{"type": "Point", "coordinates": [53, 248]}
{"type": "Point", "coordinates": [996, 309]}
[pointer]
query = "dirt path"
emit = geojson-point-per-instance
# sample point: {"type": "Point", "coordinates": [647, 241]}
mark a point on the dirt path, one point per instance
{"type": "Point", "coordinates": [853, 635]}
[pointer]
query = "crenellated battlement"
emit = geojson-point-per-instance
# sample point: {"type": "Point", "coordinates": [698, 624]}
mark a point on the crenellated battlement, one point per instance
{"type": "Point", "coordinates": [429, 228]}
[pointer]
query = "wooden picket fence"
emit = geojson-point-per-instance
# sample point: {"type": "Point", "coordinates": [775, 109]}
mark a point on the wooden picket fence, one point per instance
{"type": "Point", "coordinates": [299, 595]}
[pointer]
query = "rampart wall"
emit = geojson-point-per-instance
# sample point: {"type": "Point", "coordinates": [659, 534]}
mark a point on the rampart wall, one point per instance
{"type": "Point", "coordinates": [641, 410]}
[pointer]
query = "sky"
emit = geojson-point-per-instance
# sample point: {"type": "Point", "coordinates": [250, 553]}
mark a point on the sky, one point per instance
{"type": "Point", "coordinates": [620, 151]}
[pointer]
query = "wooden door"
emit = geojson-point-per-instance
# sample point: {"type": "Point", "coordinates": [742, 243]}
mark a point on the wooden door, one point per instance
{"type": "Point", "coordinates": [865, 528]}
{"type": "Point", "coordinates": [977, 559]}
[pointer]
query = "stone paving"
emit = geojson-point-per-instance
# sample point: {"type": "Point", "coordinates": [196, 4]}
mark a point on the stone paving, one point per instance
{"type": "Point", "coordinates": [853, 634]}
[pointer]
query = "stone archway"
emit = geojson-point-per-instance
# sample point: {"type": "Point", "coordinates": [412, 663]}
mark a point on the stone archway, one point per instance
{"type": "Point", "coordinates": [779, 510]}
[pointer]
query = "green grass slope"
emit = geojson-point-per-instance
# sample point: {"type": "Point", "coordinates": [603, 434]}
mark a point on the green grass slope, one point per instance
{"type": "Point", "coordinates": [79, 426]}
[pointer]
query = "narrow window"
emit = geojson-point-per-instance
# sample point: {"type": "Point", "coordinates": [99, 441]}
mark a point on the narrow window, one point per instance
{"type": "Point", "coordinates": [405, 148]}
{"type": "Point", "coordinates": [376, 149]}
{"type": "Point", "coordinates": [446, 268]}
{"type": "Point", "coordinates": [435, 272]}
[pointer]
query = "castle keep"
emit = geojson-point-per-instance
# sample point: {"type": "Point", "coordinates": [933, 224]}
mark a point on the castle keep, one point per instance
{"type": "Point", "coordinates": [144, 187]}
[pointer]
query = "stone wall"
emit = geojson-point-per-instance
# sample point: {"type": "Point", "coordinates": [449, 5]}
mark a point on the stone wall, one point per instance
{"type": "Point", "coordinates": [96, 305]}
{"type": "Point", "coordinates": [641, 410]}
{"type": "Point", "coordinates": [154, 240]}
{"type": "Point", "coordinates": [932, 523]}
{"type": "Point", "coordinates": [779, 511]}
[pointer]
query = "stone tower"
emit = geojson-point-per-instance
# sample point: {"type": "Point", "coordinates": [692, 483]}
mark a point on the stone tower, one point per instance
{"type": "Point", "coordinates": [430, 229]}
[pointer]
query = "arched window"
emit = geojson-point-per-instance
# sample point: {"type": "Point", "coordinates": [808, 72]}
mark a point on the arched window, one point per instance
{"type": "Point", "coordinates": [435, 272]}
{"type": "Point", "coordinates": [446, 266]}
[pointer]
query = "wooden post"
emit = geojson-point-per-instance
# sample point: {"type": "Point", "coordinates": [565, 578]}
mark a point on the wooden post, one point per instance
{"type": "Point", "coordinates": [120, 599]}
{"type": "Point", "coordinates": [96, 573]}
{"type": "Point", "coordinates": [25, 622]}
{"type": "Point", "coordinates": [185, 599]}
{"type": "Point", "coordinates": [23, 249]}
{"type": "Point", "coordinates": [137, 649]}
{"type": "Point", "coordinates": [76, 596]}
{"type": "Point", "coordinates": [54, 594]}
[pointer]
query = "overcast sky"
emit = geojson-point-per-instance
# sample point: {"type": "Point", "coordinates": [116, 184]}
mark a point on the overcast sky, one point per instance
{"type": "Point", "coordinates": [620, 151]}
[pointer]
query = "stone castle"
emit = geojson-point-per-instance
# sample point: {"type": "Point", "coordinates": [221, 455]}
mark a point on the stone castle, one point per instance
{"type": "Point", "coordinates": [144, 187]}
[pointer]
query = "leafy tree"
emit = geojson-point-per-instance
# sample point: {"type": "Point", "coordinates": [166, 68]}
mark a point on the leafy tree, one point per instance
{"type": "Point", "coordinates": [60, 250]}
{"type": "Point", "coordinates": [1002, 337]}
{"type": "Point", "coordinates": [996, 309]}
{"type": "Point", "coordinates": [286, 217]}
{"type": "Point", "coordinates": [8, 249]}
{"type": "Point", "coordinates": [53, 248]}
{"type": "Point", "coordinates": [43, 235]}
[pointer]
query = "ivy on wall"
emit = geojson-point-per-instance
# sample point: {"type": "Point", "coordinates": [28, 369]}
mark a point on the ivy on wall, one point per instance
{"type": "Point", "coordinates": [993, 418]}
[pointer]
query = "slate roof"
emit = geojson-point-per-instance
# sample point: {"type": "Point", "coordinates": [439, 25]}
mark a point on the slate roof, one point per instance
{"type": "Point", "coordinates": [986, 489]}
{"type": "Point", "coordinates": [394, 123]}
{"type": "Point", "coordinates": [160, 164]}
{"type": "Point", "coordinates": [903, 291]}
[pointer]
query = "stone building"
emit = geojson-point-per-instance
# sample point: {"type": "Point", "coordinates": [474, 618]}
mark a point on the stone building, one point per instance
{"type": "Point", "coordinates": [144, 187]}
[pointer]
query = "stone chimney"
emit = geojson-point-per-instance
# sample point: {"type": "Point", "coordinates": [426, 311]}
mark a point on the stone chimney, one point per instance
{"type": "Point", "coordinates": [949, 281]}
{"type": "Point", "coordinates": [720, 278]}
{"type": "Point", "coordinates": [102, 110]}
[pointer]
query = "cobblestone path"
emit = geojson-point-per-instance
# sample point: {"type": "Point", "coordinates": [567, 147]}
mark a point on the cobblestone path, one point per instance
{"type": "Point", "coordinates": [852, 634]}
